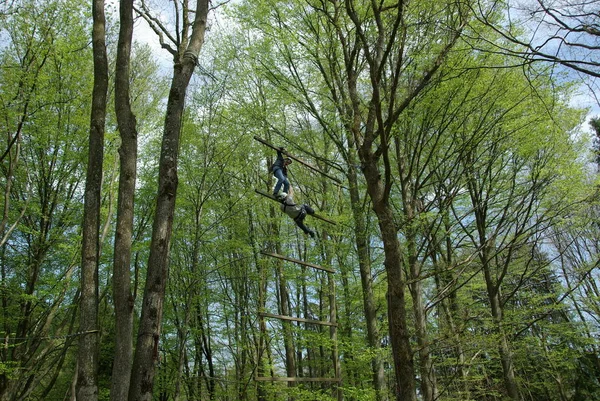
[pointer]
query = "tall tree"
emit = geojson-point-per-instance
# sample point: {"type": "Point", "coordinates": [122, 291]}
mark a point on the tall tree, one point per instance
{"type": "Point", "coordinates": [507, 178]}
{"type": "Point", "coordinates": [123, 297]}
{"type": "Point", "coordinates": [44, 113]}
{"type": "Point", "coordinates": [187, 44]}
{"type": "Point", "coordinates": [87, 374]}
{"type": "Point", "coordinates": [382, 49]}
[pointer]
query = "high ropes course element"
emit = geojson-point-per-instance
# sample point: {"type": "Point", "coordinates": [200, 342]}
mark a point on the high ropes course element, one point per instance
{"type": "Point", "coordinates": [258, 191]}
{"type": "Point", "coordinates": [300, 262]}
{"type": "Point", "coordinates": [310, 166]}
{"type": "Point", "coordinates": [316, 216]}
{"type": "Point", "coordinates": [332, 322]}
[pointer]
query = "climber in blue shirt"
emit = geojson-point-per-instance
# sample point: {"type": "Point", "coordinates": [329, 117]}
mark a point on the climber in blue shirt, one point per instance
{"type": "Point", "coordinates": [279, 169]}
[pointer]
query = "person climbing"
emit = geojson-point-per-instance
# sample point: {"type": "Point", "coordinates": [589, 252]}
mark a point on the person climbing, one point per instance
{"type": "Point", "coordinates": [279, 169]}
{"type": "Point", "coordinates": [297, 212]}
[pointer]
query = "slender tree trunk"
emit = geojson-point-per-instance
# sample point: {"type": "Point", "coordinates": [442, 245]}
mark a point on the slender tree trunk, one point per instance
{"type": "Point", "coordinates": [261, 341]}
{"type": "Point", "coordinates": [366, 280]}
{"type": "Point", "coordinates": [493, 285]}
{"type": "Point", "coordinates": [146, 351]}
{"type": "Point", "coordinates": [337, 391]}
{"type": "Point", "coordinates": [428, 378]}
{"type": "Point", "coordinates": [182, 336]}
{"type": "Point", "coordinates": [448, 312]}
{"type": "Point", "coordinates": [444, 280]}
{"type": "Point", "coordinates": [123, 298]}
{"type": "Point", "coordinates": [211, 384]}
{"type": "Point", "coordinates": [304, 301]}
{"type": "Point", "coordinates": [290, 359]}
{"type": "Point", "coordinates": [191, 306]}
{"type": "Point", "coordinates": [87, 358]}
{"type": "Point", "coordinates": [506, 357]}
{"type": "Point", "coordinates": [352, 377]}
{"type": "Point", "coordinates": [284, 309]}
{"type": "Point", "coordinates": [13, 161]}
{"type": "Point", "coordinates": [393, 262]}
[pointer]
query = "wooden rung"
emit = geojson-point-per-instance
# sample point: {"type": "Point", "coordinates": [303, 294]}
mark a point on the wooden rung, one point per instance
{"type": "Point", "coordinates": [316, 216]}
{"type": "Point", "coordinates": [300, 262]}
{"type": "Point", "coordinates": [297, 319]}
{"type": "Point", "coordinates": [297, 379]}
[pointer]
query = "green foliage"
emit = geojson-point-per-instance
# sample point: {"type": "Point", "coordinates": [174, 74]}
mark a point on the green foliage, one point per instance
{"type": "Point", "coordinates": [499, 142]}
{"type": "Point", "coordinates": [44, 109]}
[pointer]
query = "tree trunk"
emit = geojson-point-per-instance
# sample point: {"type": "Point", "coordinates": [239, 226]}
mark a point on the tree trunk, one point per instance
{"type": "Point", "coordinates": [123, 298]}
{"type": "Point", "coordinates": [428, 378]}
{"type": "Point", "coordinates": [87, 359]}
{"type": "Point", "coordinates": [261, 342]}
{"type": "Point", "coordinates": [366, 279]}
{"type": "Point", "coordinates": [284, 308]}
{"type": "Point", "coordinates": [445, 283]}
{"type": "Point", "coordinates": [310, 354]}
{"type": "Point", "coordinates": [397, 316]}
{"type": "Point", "coordinates": [492, 283]}
{"type": "Point", "coordinates": [146, 351]}
{"type": "Point", "coordinates": [337, 391]}
{"type": "Point", "coordinates": [506, 357]}
{"type": "Point", "coordinates": [288, 341]}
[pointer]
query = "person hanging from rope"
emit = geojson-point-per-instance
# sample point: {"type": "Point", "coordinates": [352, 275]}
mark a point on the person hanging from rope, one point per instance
{"type": "Point", "coordinates": [297, 212]}
{"type": "Point", "coordinates": [279, 169]}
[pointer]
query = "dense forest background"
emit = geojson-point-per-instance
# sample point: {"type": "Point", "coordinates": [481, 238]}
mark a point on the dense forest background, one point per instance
{"type": "Point", "coordinates": [465, 249]}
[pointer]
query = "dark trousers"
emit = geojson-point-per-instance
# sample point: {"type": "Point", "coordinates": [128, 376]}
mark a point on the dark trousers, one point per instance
{"type": "Point", "coordinates": [300, 219]}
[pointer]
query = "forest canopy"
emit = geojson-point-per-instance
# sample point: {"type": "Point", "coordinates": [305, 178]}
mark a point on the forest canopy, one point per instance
{"type": "Point", "coordinates": [452, 171]}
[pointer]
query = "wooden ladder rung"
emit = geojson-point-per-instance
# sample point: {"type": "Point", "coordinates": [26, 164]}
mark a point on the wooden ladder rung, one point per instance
{"type": "Point", "coordinates": [297, 319]}
{"type": "Point", "coordinates": [300, 262]}
{"type": "Point", "coordinates": [298, 379]}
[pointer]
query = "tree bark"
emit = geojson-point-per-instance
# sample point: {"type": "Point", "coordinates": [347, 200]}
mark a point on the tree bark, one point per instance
{"type": "Point", "coordinates": [396, 280]}
{"type": "Point", "coordinates": [366, 279]}
{"type": "Point", "coordinates": [87, 358]}
{"type": "Point", "coordinates": [146, 351]}
{"type": "Point", "coordinates": [290, 360]}
{"type": "Point", "coordinates": [123, 298]}
{"type": "Point", "coordinates": [493, 282]}
{"type": "Point", "coordinates": [411, 207]}
{"type": "Point", "coordinates": [506, 357]}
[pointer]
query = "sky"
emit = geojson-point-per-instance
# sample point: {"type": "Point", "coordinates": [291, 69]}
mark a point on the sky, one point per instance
{"type": "Point", "coordinates": [544, 31]}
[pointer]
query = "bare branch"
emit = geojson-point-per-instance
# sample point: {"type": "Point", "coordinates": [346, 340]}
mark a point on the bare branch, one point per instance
{"type": "Point", "coordinates": [564, 34]}
{"type": "Point", "coordinates": [157, 26]}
